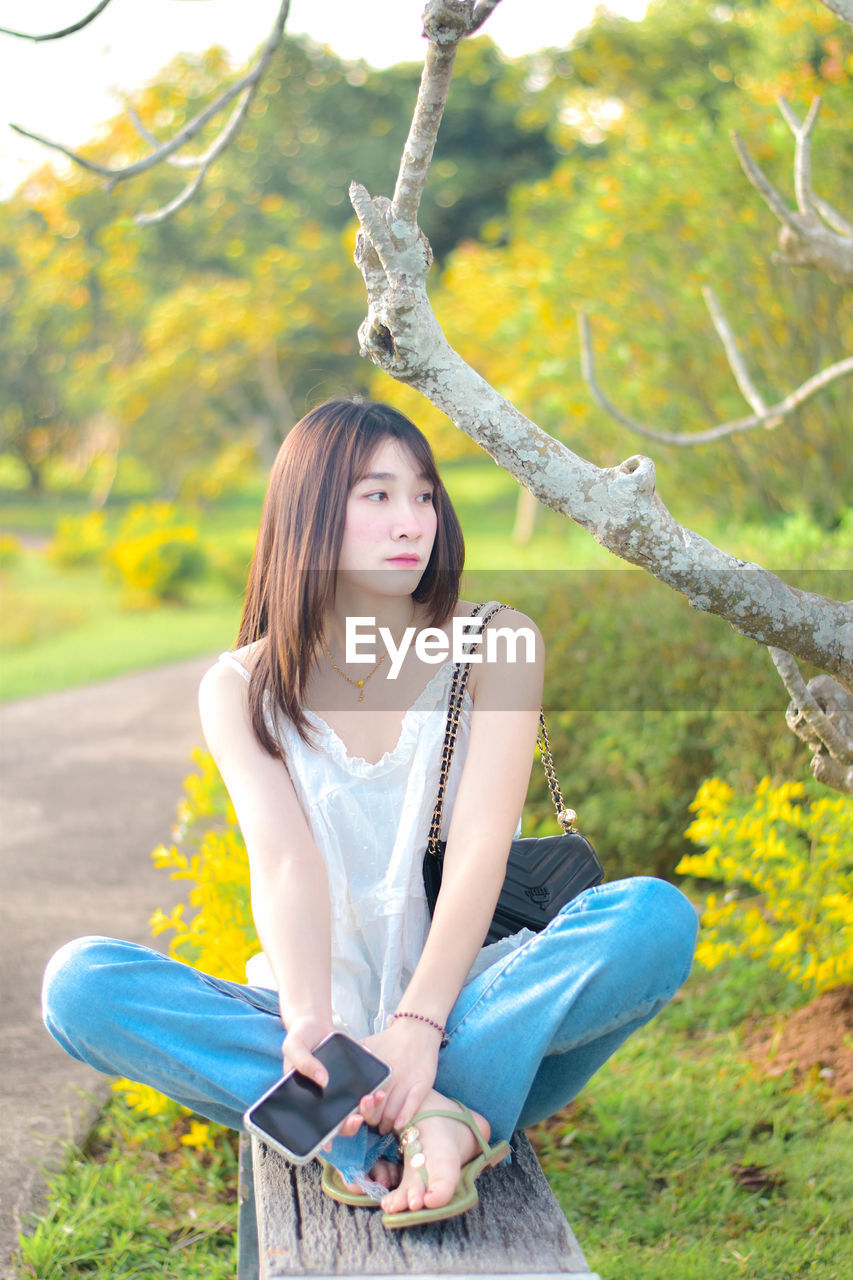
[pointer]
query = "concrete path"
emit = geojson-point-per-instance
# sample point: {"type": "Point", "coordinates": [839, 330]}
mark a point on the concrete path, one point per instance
{"type": "Point", "coordinates": [90, 779]}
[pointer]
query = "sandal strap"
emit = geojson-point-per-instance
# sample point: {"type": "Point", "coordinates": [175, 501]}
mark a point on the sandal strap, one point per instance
{"type": "Point", "coordinates": [464, 1116]}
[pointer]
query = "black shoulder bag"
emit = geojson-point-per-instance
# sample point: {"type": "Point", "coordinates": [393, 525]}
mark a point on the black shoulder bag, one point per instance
{"type": "Point", "coordinates": [541, 875]}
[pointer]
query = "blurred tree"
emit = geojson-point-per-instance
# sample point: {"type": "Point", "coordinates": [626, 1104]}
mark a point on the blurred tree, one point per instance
{"type": "Point", "coordinates": [220, 325]}
{"type": "Point", "coordinates": [634, 233]}
{"type": "Point", "coordinates": [45, 272]}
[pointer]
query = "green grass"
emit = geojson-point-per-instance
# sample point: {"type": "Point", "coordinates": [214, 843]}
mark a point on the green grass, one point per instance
{"type": "Point", "coordinates": [63, 629]}
{"type": "Point", "coordinates": [135, 1202]}
{"type": "Point", "coordinates": [641, 1164]}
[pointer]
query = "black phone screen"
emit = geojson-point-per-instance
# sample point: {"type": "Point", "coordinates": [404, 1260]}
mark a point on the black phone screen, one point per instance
{"type": "Point", "coordinates": [299, 1115]}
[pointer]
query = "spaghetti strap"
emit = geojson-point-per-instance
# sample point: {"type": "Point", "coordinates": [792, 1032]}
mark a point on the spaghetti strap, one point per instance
{"type": "Point", "coordinates": [231, 661]}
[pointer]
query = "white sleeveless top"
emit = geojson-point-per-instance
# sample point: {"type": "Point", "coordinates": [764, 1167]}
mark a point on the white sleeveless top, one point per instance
{"type": "Point", "coordinates": [370, 823]}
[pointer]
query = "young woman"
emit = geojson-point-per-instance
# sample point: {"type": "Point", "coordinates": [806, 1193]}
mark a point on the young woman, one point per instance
{"type": "Point", "coordinates": [333, 768]}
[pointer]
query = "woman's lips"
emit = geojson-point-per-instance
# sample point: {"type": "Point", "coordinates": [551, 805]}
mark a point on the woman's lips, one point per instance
{"type": "Point", "coordinates": [408, 562]}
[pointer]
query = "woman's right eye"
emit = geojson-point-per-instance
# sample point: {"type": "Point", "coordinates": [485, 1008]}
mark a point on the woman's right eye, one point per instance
{"type": "Point", "coordinates": [378, 493]}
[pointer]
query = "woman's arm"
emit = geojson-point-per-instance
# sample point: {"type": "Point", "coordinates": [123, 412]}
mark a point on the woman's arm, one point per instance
{"type": "Point", "coordinates": [290, 891]}
{"type": "Point", "coordinates": [507, 696]}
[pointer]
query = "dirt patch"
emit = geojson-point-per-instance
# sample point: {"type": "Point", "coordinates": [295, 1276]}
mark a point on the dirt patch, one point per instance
{"type": "Point", "coordinates": [810, 1043]}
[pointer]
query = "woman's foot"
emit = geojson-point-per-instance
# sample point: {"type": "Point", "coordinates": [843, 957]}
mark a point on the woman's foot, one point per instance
{"type": "Point", "coordinates": [446, 1145]}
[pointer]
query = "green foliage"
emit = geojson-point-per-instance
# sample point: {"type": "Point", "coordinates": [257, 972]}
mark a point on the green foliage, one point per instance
{"type": "Point", "coordinates": [644, 699]}
{"type": "Point", "coordinates": [788, 853]}
{"type": "Point", "coordinates": [319, 123]}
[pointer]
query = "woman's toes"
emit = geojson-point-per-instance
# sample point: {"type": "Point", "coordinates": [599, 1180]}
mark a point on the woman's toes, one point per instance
{"type": "Point", "coordinates": [386, 1173]}
{"type": "Point", "coordinates": [416, 1196]}
{"type": "Point", "coordinates": [395, 1201]}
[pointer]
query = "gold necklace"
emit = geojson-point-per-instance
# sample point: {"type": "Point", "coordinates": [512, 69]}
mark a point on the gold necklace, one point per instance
{"type": "Point", "coordinates": [359, 684]}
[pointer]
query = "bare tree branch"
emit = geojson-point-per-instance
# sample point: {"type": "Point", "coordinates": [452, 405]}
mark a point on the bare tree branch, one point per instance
{"type": "Point", "coordinates": [140, 126]}
{"type": "Point", "coordinates": [843, 9]}
{"type": "Point", "coordinates": [617, 505]}
{"type": "Point", "coordinates": [832, 217]}
{"type": "Point", "coordinates": [59, 35]}
{"type": "Point", "coordinates": [247, 86]}
{"type": "Point", "coordinates": [803, 153]}
{"type": "Point", "coordinates": [821, 714]}
{"type": "Point", "coordinates": [813, 235]}
{"type": "Point", "coordinates": [203, 162]}
{"type": "Point", "coordinates": [482, 11]}
{"type": "Point", "coordinates": [165, 149]}
{"type": "Point", "coordinates": [737, 364]}
{"type": "Point", "coordinates": [808, 706]}
{"type": "Point", "coordinates": [446, 22]}
{"type": "Point", "coordinates": [761, 183]}
{"type": "Point", "coordinates": [769, 416]}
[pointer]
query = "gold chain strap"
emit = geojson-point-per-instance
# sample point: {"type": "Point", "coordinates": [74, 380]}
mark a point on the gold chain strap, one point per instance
{"type": "Point", "coordinates": [567, 818]}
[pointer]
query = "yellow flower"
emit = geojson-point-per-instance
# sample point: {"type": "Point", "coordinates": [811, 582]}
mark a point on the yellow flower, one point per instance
{"type": "Point", "coordinates": [199, 1136]}
{"type": "Point", "coordinates": [787, 843]}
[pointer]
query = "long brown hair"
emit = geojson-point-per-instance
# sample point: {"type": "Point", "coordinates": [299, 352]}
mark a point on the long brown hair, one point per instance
{"type": "Point", "coordinates": [292, 578]}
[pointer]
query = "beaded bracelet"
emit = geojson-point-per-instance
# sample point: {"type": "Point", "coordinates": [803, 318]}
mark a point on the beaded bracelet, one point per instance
{"type": "Point", "coordinates": [419, 1017]}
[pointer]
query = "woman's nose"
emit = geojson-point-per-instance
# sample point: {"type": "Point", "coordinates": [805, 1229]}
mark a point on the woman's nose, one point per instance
{"type": "Point", "coordinates": [407, 523]}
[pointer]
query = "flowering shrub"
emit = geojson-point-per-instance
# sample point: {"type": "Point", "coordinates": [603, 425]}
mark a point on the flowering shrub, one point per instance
{"type": "Point", "coordinates": [79, 540]}
{"type": "Point", "coordinates": [158, 565]}
{"type": "Point", "coordinates": [220, 937]}
{"type": "Point", "coordinates": [10, 550]}
{"type": "Point", "coordinates": [787, 852]}
{"type": "Point", "coordinates": [154, 556]}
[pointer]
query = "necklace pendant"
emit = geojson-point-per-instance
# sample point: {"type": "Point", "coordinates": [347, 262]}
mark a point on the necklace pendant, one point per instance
{"type": "Point", "coordinates": [361, 691]}
{"type": "Point", "coordinates": [359, 684]}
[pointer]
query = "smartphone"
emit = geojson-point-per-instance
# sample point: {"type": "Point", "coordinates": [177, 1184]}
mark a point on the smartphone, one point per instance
{"type": "Point", "coordinates": [297, 1117]}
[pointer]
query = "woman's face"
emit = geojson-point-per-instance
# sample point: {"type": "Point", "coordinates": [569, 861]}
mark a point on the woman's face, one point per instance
{"type": "Point", "coordinates": [390, 523]}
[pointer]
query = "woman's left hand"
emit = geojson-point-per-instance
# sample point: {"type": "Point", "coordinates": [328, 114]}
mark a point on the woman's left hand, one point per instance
{"type": "Point", "coordinates": [411, 1050]}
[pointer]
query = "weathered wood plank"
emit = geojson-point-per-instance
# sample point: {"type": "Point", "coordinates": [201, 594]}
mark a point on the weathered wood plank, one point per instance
{"type": "Point", "coordinates": [517, 1229]}
{"type": "Point", "coordinates": [247, 1222]}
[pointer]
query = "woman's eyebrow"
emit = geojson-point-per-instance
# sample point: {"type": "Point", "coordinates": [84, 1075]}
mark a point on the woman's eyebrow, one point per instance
{"type": "Point", "coordinates": [386, 475]}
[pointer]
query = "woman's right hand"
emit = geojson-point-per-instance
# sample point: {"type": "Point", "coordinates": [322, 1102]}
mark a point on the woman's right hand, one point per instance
{"type": "Point", "coordinates": [303, 1036]}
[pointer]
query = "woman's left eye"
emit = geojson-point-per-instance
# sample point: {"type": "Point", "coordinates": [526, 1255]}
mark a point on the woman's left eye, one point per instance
{"type": "Point", "coordinates": [425, 497]}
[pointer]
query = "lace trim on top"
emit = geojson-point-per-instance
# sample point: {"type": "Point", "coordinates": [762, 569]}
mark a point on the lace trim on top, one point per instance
{"type": "Point", "coordinates": [431, 696]}
{"type": "Point", "coordinates": [434, 694]}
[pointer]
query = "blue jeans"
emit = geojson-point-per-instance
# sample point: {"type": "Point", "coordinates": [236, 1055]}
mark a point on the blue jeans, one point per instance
{"type": "Point", "coordinates": [523, 1037]}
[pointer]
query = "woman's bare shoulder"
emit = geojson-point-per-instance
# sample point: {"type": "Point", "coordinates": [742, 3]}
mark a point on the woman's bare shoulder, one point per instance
{"type": "Point", "coordinates": [506, 616]}
{"type": "Point", "coordinates": [510, 672]}
{"type": "Point", "coordinates": [225, 684]}
{"type": "Point", "coordinates": [248, 654]}
{"type": "Point", "coordinates": [240, 661]}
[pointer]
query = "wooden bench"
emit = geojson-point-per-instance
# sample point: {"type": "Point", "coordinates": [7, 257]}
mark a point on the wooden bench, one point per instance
{"type": "Point", "coordinates": [288, 1227]}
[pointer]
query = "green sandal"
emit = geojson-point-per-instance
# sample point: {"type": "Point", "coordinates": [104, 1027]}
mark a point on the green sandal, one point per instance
{"type": "Point", "coordinates": [465, 1196]}
{"type": "Point", "coordinates": [336, 1189]}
